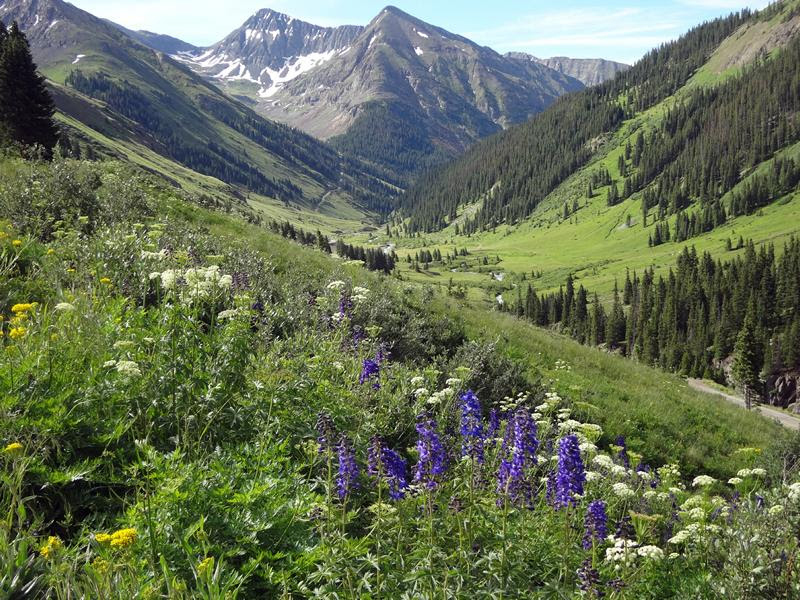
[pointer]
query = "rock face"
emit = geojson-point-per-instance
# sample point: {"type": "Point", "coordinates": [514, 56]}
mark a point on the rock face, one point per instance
{"type": "Point", "coordinates": [461, 91]}
{"type": "Point", "coordinates": [589, 71]}
{"type": "Point", "coordinates": [269, 50]}
{"type": "Point", "coordinates": [783, 389]}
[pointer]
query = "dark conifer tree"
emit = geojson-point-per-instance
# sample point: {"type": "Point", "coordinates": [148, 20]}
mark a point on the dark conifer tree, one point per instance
{"type": "Point", "coordinates": [26, 107]}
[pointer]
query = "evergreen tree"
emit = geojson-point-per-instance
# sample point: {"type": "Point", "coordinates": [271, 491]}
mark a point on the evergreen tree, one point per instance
{"type": "Point", "coordinates": [746, 367]}
{"type": "Point", "coordinates": [26, 107]}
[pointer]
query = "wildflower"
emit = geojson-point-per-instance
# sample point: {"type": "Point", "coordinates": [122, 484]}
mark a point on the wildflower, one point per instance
{"type": "Point", "coordinates": [418, 380]}
{"type": "Point", "coordinates": [205, 565]}
{"type": "Point", "coordinates": [325, 432]}
{"type": "Point", "coordinates": [431, 462]}
{"type": "Point", "coordinates": [570, 477]}
{"type": "Point", "coordinates": [109, 364]}
{"type": "Point", "coordinates": [623, 452]}
{"type": "Point", "coordinates": [775, 510]}
{"type": "Point", "coordinates": [518, 455]}
{"type": "Point", "coordinates": [336, 285]}
{"type": "Point", "coordinates": [595, 524]}
{"type": "Point", "coordinates": [603, 461]}
{"type": "Point", "coordinates": [623, 491]}
{"type": "Point", "coordinates": [128, 368]}
{"type": "Point", "coordinates": [593, 476]}
{"type": "Point", "coordinates": [50, 252]}
{"type": "Point", "coordinates": [347, 477]}
{"type": "Point", "coordinates": [386, 464]}
{"type": "Point", "coordinates": [17, 333]}
{"type": "Point", "coordinates": [53, 545]}
{"type": "Point", "coordinates": [123, 538]}
{"type": "Point", "coordinates": [421, 392]}
{"type": "Point", "coordinates": [105, 281]}
{"type": "Point", "coordinates": [735, 481]}
{"type": "Point", "coordinates": [370, 370]}
{"type": "Point", "coordinates": [650, 552]}
{"type": "Point", "coordinates": [23, 308]}
{"type": "Point", "coordinates": [102, 538]}
{"type": "Point", "coordinates": [14, 448]}
{"type": "Point", "coordinates": [703, 481]}
{"type": "Point", "coordinates": [589, 580]}
{"type": "Point", "coordinates": [64, 307]}
{"type": "Point", "coordinates": [16, 243]}
{"type": "Point", "coordinates": [228, 314]}
{"type": "Point", "coordinates": [494, 424]}
{"type": "Point", "coordinates": [794, 492]}
{"type": "Point", "coordinates": [471, 427]}
{"type": "Point", "coordinates": [100, 565]}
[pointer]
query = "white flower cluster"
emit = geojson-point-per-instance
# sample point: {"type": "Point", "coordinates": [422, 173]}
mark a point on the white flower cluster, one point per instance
{"type": "Point", "coordinates": [794, 492]}
{"type": "Point", "coordinates": [694, 532]}
{"type": "Point", "coordinates": [703, 481]}
{"type": "Point", "coordinates": [201, 282]}
{"type": "Point", "coordinates": [650, 552]}
{"type": "Point", "coordinates": [751, 473]}
{"type": "Point", "coordinates": [418, 380]}
{"type": "Point", "coordinates": [336, 286]}
{"type": "Point", "coordinates": [562, 365]}
{"type": "Point", "coordinates": [128, 368]}
{"type": "Point", "coordinates": [160, 255]}
{"type": "Point", "coordinates": [622, 490]}
{"type": "Point", "coordinates": [360, 294]}
{"type": "Point", "coordinates": [603, 461]}
{"type": "Point", "coordinates": [622, 553]}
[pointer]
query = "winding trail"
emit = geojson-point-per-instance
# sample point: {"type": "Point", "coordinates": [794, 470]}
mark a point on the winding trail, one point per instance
{"type": "Point", "coordinates": [783, 418]}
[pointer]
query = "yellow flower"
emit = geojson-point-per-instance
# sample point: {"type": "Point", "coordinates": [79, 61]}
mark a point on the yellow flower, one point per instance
{"type": "Point", "coordinates": [101, 565]}
{"type": "Point", "coordinates": [17, 243]}
{"type": "Point", "coordinates": [205, 565]}
{"type": "Point", "coordinates": [50, 252]}
{"type": "Point", "coordinates": [24, 308]}
{"type": "Point", "coordinates": [52, 546]}
{"type": "Point", "coordinates": [123, 538]}
{"type": "Point", "coordinates": [105, 280]}
{"type": "Point", "coordinates": [17, 333]}
{"type": "Point", "coordinates": [14, 448]}
{"type": "Point", "coordinates": [102, 538]}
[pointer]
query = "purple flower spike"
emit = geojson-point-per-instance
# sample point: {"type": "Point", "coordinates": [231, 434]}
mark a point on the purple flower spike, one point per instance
{"type": "Point", "coordinates": [596, 524]}
{"type": "Point", "coordinates": [370, 370]}
{"type": "Point", "coordinates": [347, 477]}
{"type": "Point", "coordinates": [518, 455]}
{"type": "Point", "coordinates": [384, 464]}
{"type": "Point", "coordinates": [432, 458]}
{"type": "Point", "coordinates": [472, 437]}
{"type": "Point", "coordinates": [570, 476]}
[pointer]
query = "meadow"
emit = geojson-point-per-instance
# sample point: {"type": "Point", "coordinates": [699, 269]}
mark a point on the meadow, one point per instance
{"type": "Point", "coordinates": [192, 407]}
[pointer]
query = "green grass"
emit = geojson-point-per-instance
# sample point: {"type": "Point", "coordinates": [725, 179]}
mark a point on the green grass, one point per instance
{"type": "Point", "coordinates": [659, 414]}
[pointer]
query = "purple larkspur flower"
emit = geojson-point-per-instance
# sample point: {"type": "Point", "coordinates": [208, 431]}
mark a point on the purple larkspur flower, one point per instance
{"type": "Point", "coordinates": [571, 475]}
{"type": "Point", "coordinates": [326, 432]}
{"type": "Point", "coordinates": [384, 464]}
{"type": "Point", "coordinates": [345, 305]}
{"type": "Point", "coordinates": [589, 580]}
{"type": "Point", "coordinates": [370, 370]}
{"type": "Point", "coordinates": [596, 524]}
{"type": "Point", "coordinates": [347, 477]}
{"type": "Point", "coordinates": [517, 456]}
{"type": "Point", "coordinates": [623, 453]}
{"type": "Point", "coordinates": [432, 458]}
{"type": "Point", "coordinates": [472, 437]}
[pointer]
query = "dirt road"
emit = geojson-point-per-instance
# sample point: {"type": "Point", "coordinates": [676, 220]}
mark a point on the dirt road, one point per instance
{"type": "Point", "coordinates": [783, 418]}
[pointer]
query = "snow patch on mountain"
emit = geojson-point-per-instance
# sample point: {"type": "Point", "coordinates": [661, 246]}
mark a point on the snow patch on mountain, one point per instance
{"type": "Point", "coordinates": [78, 59]}
{"type": "Point", "coordinates": [419, 51]}
{"type": "Point", "coordinates": [293, 68]}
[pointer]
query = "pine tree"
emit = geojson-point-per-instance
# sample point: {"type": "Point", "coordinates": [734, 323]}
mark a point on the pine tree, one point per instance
{"type": "Point", "coordinates": [26, 107]}
{"type": "Point", "coordinates": [746, 367]}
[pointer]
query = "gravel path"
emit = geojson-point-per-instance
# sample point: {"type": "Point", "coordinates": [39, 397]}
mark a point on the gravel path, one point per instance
{"type": "Point", "coordinates": [783, 418]}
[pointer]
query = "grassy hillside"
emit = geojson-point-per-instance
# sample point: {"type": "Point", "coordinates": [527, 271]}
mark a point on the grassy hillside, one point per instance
{"type": "Point", "coordinates": [190, 404]}
{"type": "Point", "coordinates": [596, 242]}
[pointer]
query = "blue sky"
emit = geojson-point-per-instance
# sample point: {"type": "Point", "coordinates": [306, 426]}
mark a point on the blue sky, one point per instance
{"type": "Point", "coordinates": [620, 30]}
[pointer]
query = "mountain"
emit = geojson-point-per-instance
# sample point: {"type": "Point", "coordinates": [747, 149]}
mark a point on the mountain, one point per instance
{"type": "Point", "coordinates": [688, 119]}
{"type": "Point", "coordinates": [399, 92]}
{"type": "Point", "coordinates": [267, 51]}
{"type": "Point", "coordinates": [589, 71]}
{"type": "Point", "coordinates": [137, 102]}
{"type": "Point", "coordinates": [162, 43]}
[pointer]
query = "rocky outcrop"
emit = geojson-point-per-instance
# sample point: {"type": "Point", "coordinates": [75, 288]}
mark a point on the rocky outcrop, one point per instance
{"type": "Point", "coordinates": [784, 390]}
{"type": "Point", "coordinates": [589, 71]}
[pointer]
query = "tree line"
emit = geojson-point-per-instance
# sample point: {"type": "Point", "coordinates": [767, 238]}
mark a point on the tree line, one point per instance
{"type": "Point", "coordinates": [374, 259]}
{"type": "Point", "coordinates": [512, 172]}
{"type": "Point", "coordinates": [689, 320]}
